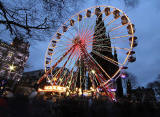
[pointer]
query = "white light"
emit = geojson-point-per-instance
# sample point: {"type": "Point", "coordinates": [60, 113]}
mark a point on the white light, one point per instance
{"type": "Point", "coordinates": [123, 76]}
{"type": "Point", "coordinates": [48, 81]}
{"type": "Point", "coordinates": [11, 67]}
{"type": "Point", "coordinates": [93, 71]}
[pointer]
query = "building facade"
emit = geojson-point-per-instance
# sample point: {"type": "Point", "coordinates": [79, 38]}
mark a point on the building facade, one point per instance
{"type": "Point", "coordinates": [13, 58]}
{"type": "Point", "coordinates": [29, 79]}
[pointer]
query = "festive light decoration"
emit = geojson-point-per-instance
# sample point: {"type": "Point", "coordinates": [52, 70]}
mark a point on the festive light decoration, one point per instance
{"type": "Point", "coordinates": [12, 67]}
{"type": "Point", "coordinates": [93, 71]}
{"type": "Point", "coordinates": [53, 89]}
{"type": "Point", "coordinates": [123, 75]}
{"type": "Point", "coordinates": [13, 57]}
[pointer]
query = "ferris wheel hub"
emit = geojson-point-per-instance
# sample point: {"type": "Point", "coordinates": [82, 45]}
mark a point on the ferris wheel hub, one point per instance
{"type": "Point", "coordinates": [76, 40]}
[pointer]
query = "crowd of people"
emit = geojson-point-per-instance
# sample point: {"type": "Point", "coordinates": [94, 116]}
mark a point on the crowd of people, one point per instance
{"type": "Point", "coordinates": [21, 106]}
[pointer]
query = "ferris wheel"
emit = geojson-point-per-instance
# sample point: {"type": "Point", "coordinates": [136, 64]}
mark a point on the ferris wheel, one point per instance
{"type": "Point", "coordinates": [93, 47]}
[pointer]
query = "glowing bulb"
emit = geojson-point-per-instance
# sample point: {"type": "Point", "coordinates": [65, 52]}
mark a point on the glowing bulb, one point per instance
{"type": "Point", "coordinates": [123, 76]}
{"type": "Point", "coordinates": [12, 67]}
{"type": "Point", "coordinates": [113, 90]}
{"type": "Point", "coordinates": [55, 79]}
{"type": "Point", "coordinates": [93, 71]}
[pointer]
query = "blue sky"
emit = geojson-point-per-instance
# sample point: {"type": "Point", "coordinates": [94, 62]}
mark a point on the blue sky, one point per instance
{"type": "Point", "coordinates": [145, 15]}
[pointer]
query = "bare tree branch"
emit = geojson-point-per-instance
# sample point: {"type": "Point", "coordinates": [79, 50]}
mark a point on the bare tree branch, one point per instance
{"type": "Point", "coordinates": [23, 26]}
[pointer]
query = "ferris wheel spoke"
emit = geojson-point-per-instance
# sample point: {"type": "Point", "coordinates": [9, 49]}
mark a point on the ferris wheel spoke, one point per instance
{"type": "Point", "coordinates": [104, 24]}
{"type": "Point", "coordinates": [95, 28]}
{"type": "Point", "coordinates": [115, 28]}
{"type": "Point", "coordinates": [92, 59]}
{"type": "Point", "coordinates": [86, 32]}
{"type": "Point", "coordinates": [102, 21]}
{"type": "Point", "coordinates": [70, 80]}
{"type": "Point", "coordinates": [126, 49]}
{"type": "Point", "coordinates": [47, 72]}
{"type": "Point", "coordinates": [70, 31]}
{"type": "Point", "coordinates": [63, 77]}
{"type": "Point", "coordinates": [74, 85]}
{"type": "Point", "coordinates": [56, 74]}
{"type": "Point", "coordinates": [115, 25]}
{"type": "Point", "coordinates": [107, 58]}
{"type": "Point", "coordinates": [75, 78]}
{"type": "Point", "coordinates": [61, 48]}
{"type": "Point", "coordinates": [104, 46]}
{"type": "Point", "coordinates": [75, 28]}
{"type": "Point", "coordinates": [69, 39]}
{"type": "Point", "coordinates": [61, 44]}
{"type": "Point", "coordinates": [99, 35]}
{"type": "Point", "coordinates": [82, 34]}
{"type": "Point", "coordinates": [91, 27]}
{"type": "Point", "coordinates": [62, 68]}
{"type": "Point", "coordinates": [85, 36]}
{"type": "Point", "coordinates": [93, 78]}
{"type": "Point", "coordinates": [97, 75]}
{"type": "Point", "coordinates": [96, 81]}
{"type": "Point", "coordinates": [72, 70]}
{"type": "Point", "coordinates": [100, 79]}
{"type": "Point", "coordinates": [68, 66]}
{"type": "Point", "coordinates": [92, 81]}
{"type": "Point", "coordinates": [57, 58]}
{"type": "Point", "coordinates": [65, 46]}
{"type": "Point", "coordinates": [113, 20]}
{"type": "Point", "coordinates": [84, 24]}
{"type": "Point", "coordinates": [107, 38]}
{"type": "Point", "coordinates": [99, 30]}
{"type": "Point", "coordinates": [113, 33]}
{"type": "Point", "coordinates": [121, 36]}
{"type": "Point", "coordinates": [69, 75]}
{"type": "Point", "coordinates": [92, 39]}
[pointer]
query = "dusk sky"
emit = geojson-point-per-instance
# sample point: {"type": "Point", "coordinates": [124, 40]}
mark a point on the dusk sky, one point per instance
{"type": "Point", "coordinates": [145, 14]}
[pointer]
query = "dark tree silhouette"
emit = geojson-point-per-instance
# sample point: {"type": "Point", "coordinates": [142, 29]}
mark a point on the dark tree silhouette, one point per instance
{"type": "Point", "coordinates": [133, 79]}
{"type": "Point", "coordinates": [127, 3]}
{"type": "Point", "coordinates": [33, 19]}
{"type": "Point", "coordinates": [131, 3]}
{"type": "Point", "coordinates": [155, 85]}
